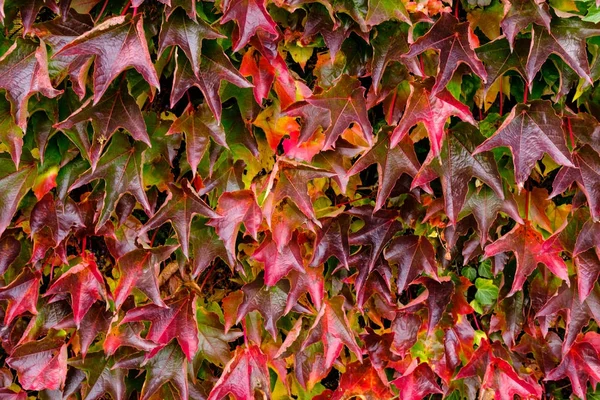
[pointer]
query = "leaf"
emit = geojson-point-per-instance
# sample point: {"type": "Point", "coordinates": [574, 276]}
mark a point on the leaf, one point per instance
{"type": "Point", "coordinates": [417, 382]}
{"type": "Point", "coordinates": [102, 378]}
{"type": "Point", "coordinates": [577, 313]}
{"type": "Point", "coordinates": [179, 208]}
{"type": "Point", "coordinates": [213, 342]}
{"type": "Point", "coordinates": [378, 230]}
{"type": "Point", "coordinates": [502, 379]}
{"type": "Point", "coordinates": [40, 364]}
{"type": "Point", "coordinates": [121, 169]}
{"type": "Point", "coordinates": [292, 179]}
{"type": "Point", "coordinates": [9, 251]}
{"type": "Point", "coordinates": [580, 364]}
{"type": "Point", "coordinates": [116, 110]}
{"type": "Point", "coordinates": [331, 329]}
{"type": "Point", "coordinates": [391, 162]}
{"type": "Point", "coordinates": [361, 379]}
{"type": "Point", "coordinates": [433, 110]}
{"type": "Point", "coordinates": [456, 42]}
{"type": "Point", "coordinates": [22, 294]}
{"type": "Point", "coordinates": [123, 33]}
{"type": "Point", "coordinates": [176, 319]}
{"type": "Point", "coordinates": [436, 298]}
{"type": "Point", "coordinates": [84, 283]}
{"type": "Point", "coordinates": [485, 205]}
{"type": "Point", "coordinates": [198, 125]}
{"type": "Point", "coordinates": [187, 34]}
{"type": "Point", "coordinates": [16, 183]}
{"type": "Point", "coordinates": [233, 209]}
{"type": "Point", "coordinates": [456, 166]}
{"type": "Point", "coordinates": [566, 39]}
{"type": "Point", "coordinates": [269, 300]}
{"type": "Point", "coordinates": [278, 263]}
{"type": "Point", "coordinates": [24, 72]}
{"type": "Point", "coordinates": [169, 365]}
{"type": "Point", "coordinates": [215, 67]}
{"type": "Point", "coordinates": [413, 255]}
{"type": "Point", "coordinates": [139, 269]}
{"type": "Point", "coordinates": [530, 249]}
{"type": "Point", "coordinates": [520, 14]}
{"type": "Point", "coordinates": [385, 10]}
{"type": "Point", "coordinates": [311, 282]}
{"type": "Point", "coordinates": [249, 16]}
{"type": "Point", "coordinates": [245, 375]}
{"type": "Point", "coordinates": [332, 240]}
{"type": "Point", "coordinates": [346, 104]}
{"type": "Point", "coordinates": [11, 134]}
{"type": "Point", "coordinates": [529, 131]}
{"type": "Point", "coordinates": [499, 57]}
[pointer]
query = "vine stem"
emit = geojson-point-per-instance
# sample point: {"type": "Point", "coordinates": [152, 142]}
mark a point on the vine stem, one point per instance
{"type": "Point", "coordinates": [126, 8]}
{"type": "Point", "coordinates": [101, 12]}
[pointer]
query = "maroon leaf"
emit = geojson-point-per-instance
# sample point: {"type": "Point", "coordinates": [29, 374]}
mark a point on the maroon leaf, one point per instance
{"type": "Point", "coordinates": [413, 255]}
{"type": "Point", "coordinates": [456, 42]}
{"type": "Point", "coordinates": [124, 34]}
{"type": "Point", "coordinates": [530, 131]}
{"type": "Point", "coordinates": [22, 294]}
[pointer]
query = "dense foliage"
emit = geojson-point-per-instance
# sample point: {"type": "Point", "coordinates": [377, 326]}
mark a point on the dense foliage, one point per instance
{"type": "Point", "coordinates": [299, 199]}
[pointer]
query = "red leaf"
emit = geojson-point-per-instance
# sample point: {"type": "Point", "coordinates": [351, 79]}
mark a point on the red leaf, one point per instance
{"type": "Point", "coordinates": [22, 294]}
{"type": "Point", "coordinates": [249, 16]}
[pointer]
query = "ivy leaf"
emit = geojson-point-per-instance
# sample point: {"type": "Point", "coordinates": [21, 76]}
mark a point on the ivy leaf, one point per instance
{"type": "Point", "coordinates": [233, 209]}
{"type": "Point", "coordinates": [124, 34]}
{"type": "Point", "coordinates": [331, 328]}
{"type": "Point", "coordinates": [433, 110]}
{"type": "Point", "coordinates": [529, 131]}
{"type": "Point", "coordinates": [9, 251]}
{"type": "Point", "coordinates": [456, 42]}
{"type": "Point", "coordinates": [577, 313]}
{"type": "Point", "coordinates": [22, 294]}
{"type": "Point", "coordinates": [213, 342]}
{"type": "Point", "coordinates": [215, 67]}
{"type": "Point", "coordinates": [501, 378]}
{"type": "Point", "coordinates": [436, 298]}
{"type": "Point", "coordinates": [391, 162]}
{"type": "Point", "coordinates": [378, 230]}
{"type": "Point", "coordinates": [245, 375]}
{"type": "Point", "coordinates": [187, 34]}
{"type": "Point", "coordinates": [384, 10]}
{"type": "Point", "coordinates": [16, 183]}
{"type": "Point", "coordinates": [413, 255]}
{"type": "Point", "coordinates": [361, 379]}
{"type": "Point", "coordinates": [84, 283]}
{"type": "Point", "coordinates": [24, 72]}
{"type": "Point", "coordinates": [11, 134]}
{"type": "Point", "coordinates": [249, 16]}
{"type": "Point", "coordinates": [456, 166]}
{"type": "Point", "coordinates": [417, 382]}
{"type": "Point", "coordinates": [169, 365]}
{"type": "Point", "coordinates": [121, 169]}
{"type": "Point", "coordinates": [332, 240]}
{"type": "Point", "coordinates": [530, 249]}
{"type": "Point", "coordinates": [117, 110]}
{"type": "Point", "coordinates": [96, 320]}
{"type": "Point", "coordinates": [278, 262]}
{"type": "Point", "coordinates": [139, 269]}
{"type": "Point", "coordinates": [580, 364]}
{"type": "Point", "coordinates": [175, 321]}
{"type": "Point", "coordinates": [198, 125]}
{"type": "Point", "coordinates": [58, 33]}
{"type": "Point", "coordinates": [566, 39]}
{"type": "Point", "coordinates": [126, 335]}
{"type": "Point", "coordinates": [346, 104]}
{"type": "Point", "coordinates": [520, 14]}
{"type": "Point", "coordinates": [269, 300]}
{"type": "Point", "coordinates": [310, 281]}
{"type": "Point", "coordinates": [181, 205]}
{"type": "Point", "coordinates": [40, 364]}
{"type": "Point", "coordinates": [485, 205]}
{"type": "Point", "coordinates": [291, 183]}
{"type": "Point", "coordinates": [101, 377]}
{"type": "Point", "coordinates": [499, 57]}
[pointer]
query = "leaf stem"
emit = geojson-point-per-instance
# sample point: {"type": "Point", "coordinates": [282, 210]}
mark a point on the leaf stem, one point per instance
{"type": "Point", "coordinates": [525, 92]}
{"type": "Point", "coordinates": [501, 105]}
{"type": "Point", "coordinates": [527, 195]}
{"type": "Point", "coordinates": [571, 136]}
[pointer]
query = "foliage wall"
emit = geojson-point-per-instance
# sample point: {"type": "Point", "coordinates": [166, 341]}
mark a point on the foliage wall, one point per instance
{"type": "Point", "coordinates": [299, 199]}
